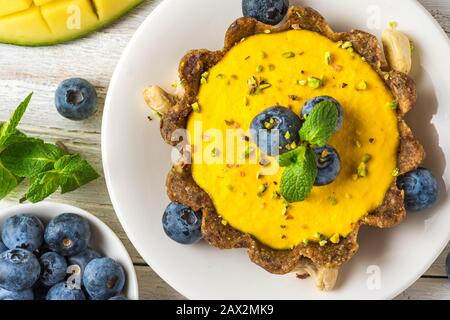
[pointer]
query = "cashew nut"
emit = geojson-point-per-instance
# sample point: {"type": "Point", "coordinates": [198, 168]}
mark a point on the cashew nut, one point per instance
{"type": "Point", "coordinates": [398, 50]}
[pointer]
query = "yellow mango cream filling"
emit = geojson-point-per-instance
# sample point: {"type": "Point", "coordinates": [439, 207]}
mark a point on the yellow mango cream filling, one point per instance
{"type": "Point", "coordinates": [244, 184]}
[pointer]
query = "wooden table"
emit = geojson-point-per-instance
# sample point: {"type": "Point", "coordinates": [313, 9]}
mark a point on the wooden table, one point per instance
{"type": "Point", "coordinates": [41, 69]}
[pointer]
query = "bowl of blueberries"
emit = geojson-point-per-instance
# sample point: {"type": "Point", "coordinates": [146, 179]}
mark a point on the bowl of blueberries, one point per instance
{"type": "Point", "coordinates": [51, 251]}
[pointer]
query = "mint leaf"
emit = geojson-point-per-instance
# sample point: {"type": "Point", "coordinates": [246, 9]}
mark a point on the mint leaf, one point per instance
{"type": "Point", "coordinates": [9, 128]}
{"type": "Point", "coordinates": [298, 179]}
{"type": "Point", "coordinates": [291, 157]}
{"type": "Point", "coordinates": [8, 181]}
{"type": "Point", "coordinates": [75, 172]}
{"type": "Point", "coordinates": [31, 157]}
{"type": "Point", "coordinates": [42, 186]}
{"type": "Point", "coordinates": [320, 124]}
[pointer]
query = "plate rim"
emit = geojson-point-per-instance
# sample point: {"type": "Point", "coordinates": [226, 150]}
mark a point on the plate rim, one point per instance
{"type": "Point", "coordinates": [107, 173]}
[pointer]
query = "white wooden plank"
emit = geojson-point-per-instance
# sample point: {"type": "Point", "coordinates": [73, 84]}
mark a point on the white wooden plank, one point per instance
{"type": "Point", "coordinates": [427, 289]}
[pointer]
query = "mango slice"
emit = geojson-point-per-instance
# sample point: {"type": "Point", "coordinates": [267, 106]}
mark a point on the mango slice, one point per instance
{"type": "Point", "coordinates": [48, 22]}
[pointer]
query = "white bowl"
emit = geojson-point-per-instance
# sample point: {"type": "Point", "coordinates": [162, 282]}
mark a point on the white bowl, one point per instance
{"type": "Point", "coordinates": [103, 239]}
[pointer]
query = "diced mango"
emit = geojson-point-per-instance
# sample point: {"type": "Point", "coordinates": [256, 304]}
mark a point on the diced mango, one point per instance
{"type": "Point", "coordinates": [23, 27]}
{"type": "Point", "coordinates": [66, 18]}
{"type": "Point", "coordinates": [13, 6]}
{"type": "Point", "coordinates": [46, 22]}
{"type": "Point", "coordinates": [108, 9]}
{"type": "Point", "coordinates": [41, 2]}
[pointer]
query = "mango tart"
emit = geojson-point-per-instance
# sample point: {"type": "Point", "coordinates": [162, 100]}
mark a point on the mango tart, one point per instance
{"type": "Point", "coordinates": [290, 64]}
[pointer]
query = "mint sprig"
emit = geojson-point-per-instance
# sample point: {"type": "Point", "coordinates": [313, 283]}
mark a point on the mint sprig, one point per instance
{"type": "Point", "coordinates": [320, 124]}
{"type": "Point", "coordinates": [47, 166]}
{"type": "Point", "coordinates": [8, 129]}
{"type": "Point", "coordinates": [298, 179]}
{"type": "Point", "coordinates": [301, 170]}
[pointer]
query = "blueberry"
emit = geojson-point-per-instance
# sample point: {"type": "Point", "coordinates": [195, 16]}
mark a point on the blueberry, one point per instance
{"type": "Point", "coordinates": [54, 267]}
{"type": "Point", "coordinates": [21, 295]}
{"type": "Point", "coordinates": [19, 270]}
{"type": "Point", "coordinates": [275, 130]}
{"type": "Point", "coordinates": [82, 259]}
{"type": "Point", "coordinates": [310, 104]}
{"type": "Point", "coordinates": [118, 298]}
{"type": "Point", "coordinates": [103, 278]}
{"type": "Point", "coordinates": [421, 189]}
{"type": "Point", "coordinates": [182, 224]}
{"type": "Point", "coordinates": [68, 234]}
{"type": "Point", "coordinates": [3, 248]}
{"type": "Point", "coordinates": [328, 165]}
{"type": "Point", "coordinates": [62, 291]}
{"type": "Point", "coordinates": [23, 231]}
{"type": "Point", "coordinates": [267, 11]}
{"type": "Point", "coordinates": [76, 99]}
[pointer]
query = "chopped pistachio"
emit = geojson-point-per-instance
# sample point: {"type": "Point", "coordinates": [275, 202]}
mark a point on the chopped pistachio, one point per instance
{"type": "Point", "coordinates": [287, 135]}
{"type": "Point", "coordinates": [327, 58]}
{"type": "Point", "coordinates": [288, 55]}
{"type": "Point", "coordinates": [269, 125]}
{"type": "Point", "coordinates": [362, 170]}
{"type": "Point", "coordinates": [336, 238]}
{"type": "Point", "coordinates": [333, 201]}
{"type": "Point", "coordinates": [247, 152]}
{"type": "Point", "coordinates": [285, 207]}
{"type": "Point", "coordinates": [314, 83]}
{"type": "Point", "coordinates": [214, 152]}
{"type": "Point", "coordinates": [259, 68]}
{"type": "Point", "coordinates": [205, 74]}
{"type": "Point", "coordinates": [361, 86]}
{"type": "Point", "coordinates": [323, 243]}
{"type": "Point", "coordinates": [393, 105]}
{"type": "Point", "coordinates": [264, 86]}
{"type": "Point", "coordinates": [366, 158]}
{"type": "Point", "coordinates": [263, 55]}
{"type": "Point", "coordinates": [203, 80]}
{"type": "Point", "coordinates": [293, 145]}
{"type": "Point", "coordinates": [224, 222]}
{"type": "Point", "coordinates": [317, 236]}
{"type": "Point", "coordinates": [386, 76]}
{"type": "Point", "coordinates": [358, 144]}
{"type": "Point", "coordinates": [363, 59]}
{"type": "Point", "coordinates": [347, 44]}
{"type": "Point", "coordinates": [305, 242]}
{"type": "Point", "coordinates": [276, 195]}
{"type": "Point", "coordinates": [246, 101]}
{"type": "Point", "coordinates": [272, 67]}
{"type": "Point", "coordinates": [196, 107]}
{"type": "Point", "coordinates": [396, 172]}
{"type": "Point", "coordinates": [261, 189]}
{"type": "Point", "coordinates": [351, 50]}
{"type": "Point", "coordinates": [267, 31]}
{"type": "Point", "coordinates": [339, 43]}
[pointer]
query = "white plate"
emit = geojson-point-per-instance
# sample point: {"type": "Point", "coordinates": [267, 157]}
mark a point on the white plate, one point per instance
{"type": "Point", "coordinates": [136, 160]}
{"type": "Point", "coordinates": [103, 238]}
